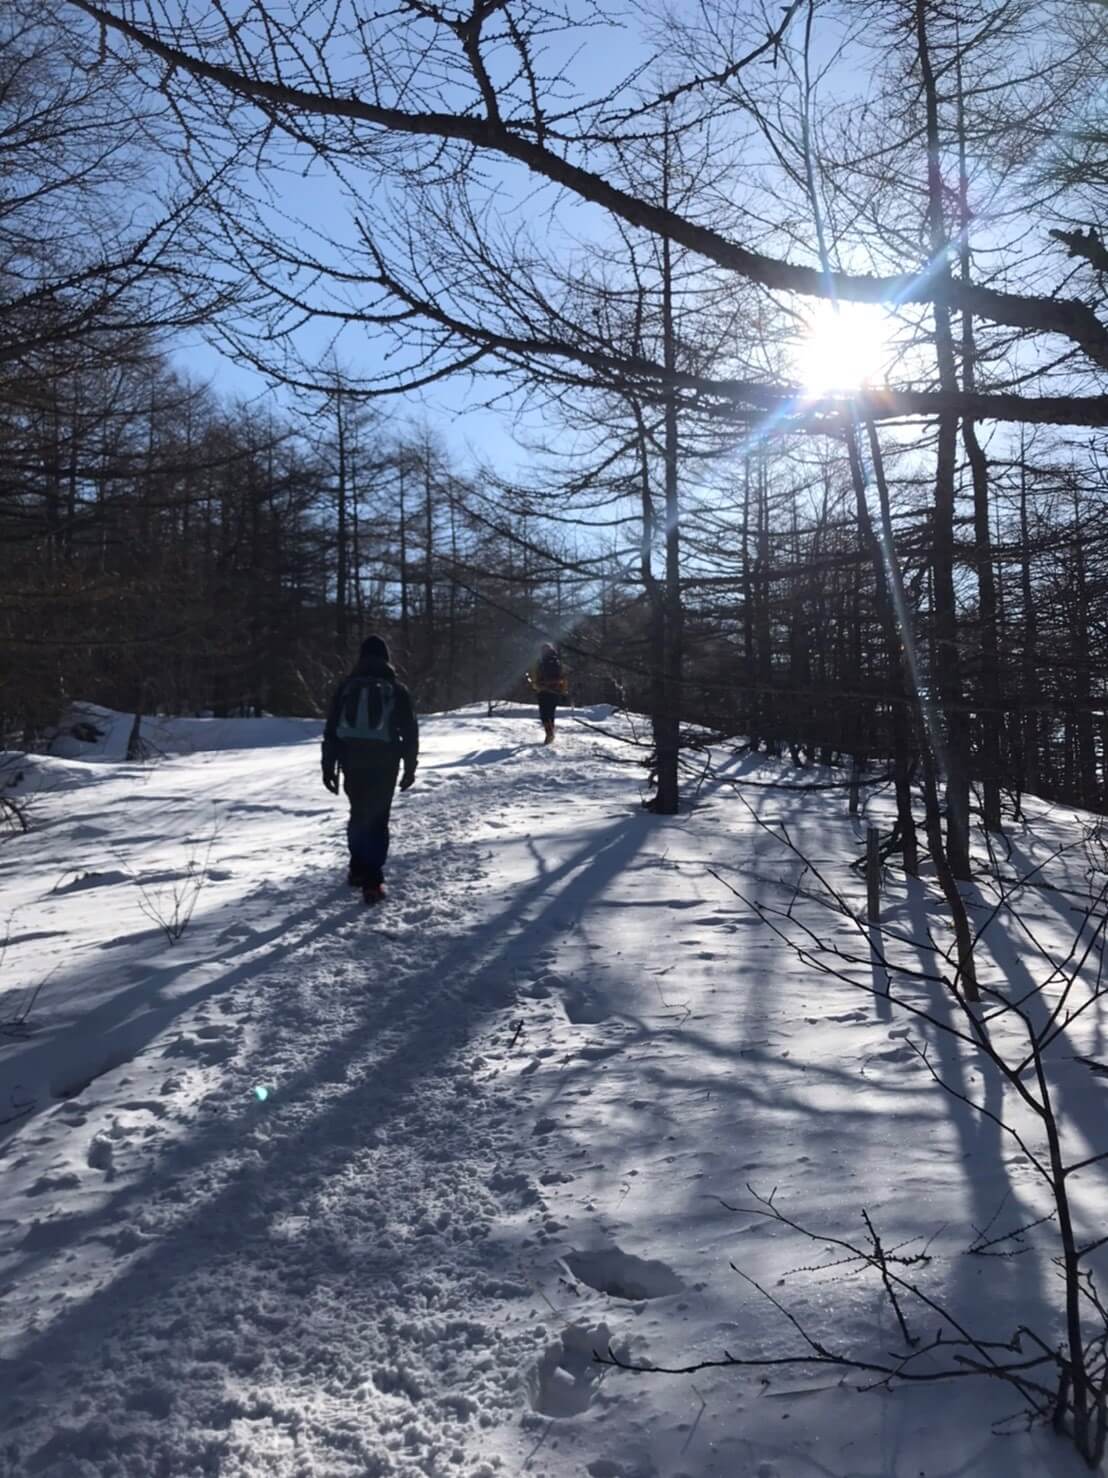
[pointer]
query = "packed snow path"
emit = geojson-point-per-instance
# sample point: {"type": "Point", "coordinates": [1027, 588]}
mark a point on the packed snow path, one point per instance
{"type": "Point", "coordinates": [322, 1192]}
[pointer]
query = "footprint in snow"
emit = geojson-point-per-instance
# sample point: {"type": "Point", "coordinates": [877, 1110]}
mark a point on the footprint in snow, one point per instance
{"type": "Point", "coordinates": [146, 1106]}
{"type": "Point", "coordinates": [619, 1274]}
{"type": "Point", "coordinates": [69, 1181]}
{"type": "Point", "coordinates": [82, 882]}
{"type": "Point", "coordinates": [126, 1240]}
{"type": "Point", "coordinates": [582, 1007]}
{"type": "Point", "coordinates": [101, 1154]}
{"type": "Point", "coordinates": [513, 1183]}
{"type": "Point", "coordinates": [894, 1054]}
{"type": "Point", "coordinates": [608, 1467]}
{"type": "Point", "coordinates": [565, 1380]}
{"type": "Point", "coordinates": [208, 1046]}
{"type": "Point", "coordinates": [236, 932]}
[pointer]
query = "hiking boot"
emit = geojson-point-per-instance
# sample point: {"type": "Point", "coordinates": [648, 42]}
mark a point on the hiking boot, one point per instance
{"type": "Point", "coordinates": [373, 892]}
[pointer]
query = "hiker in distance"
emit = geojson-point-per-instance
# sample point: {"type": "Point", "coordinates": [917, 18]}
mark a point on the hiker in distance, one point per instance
{"type": "Point", "coordinates": [548, 680]}
{"type": "Point", "coordinates": [371, 730]}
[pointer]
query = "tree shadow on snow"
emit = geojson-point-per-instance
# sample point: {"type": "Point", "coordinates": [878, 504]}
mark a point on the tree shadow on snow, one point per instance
{"type": "Point", "coordinates": [422, 1017]}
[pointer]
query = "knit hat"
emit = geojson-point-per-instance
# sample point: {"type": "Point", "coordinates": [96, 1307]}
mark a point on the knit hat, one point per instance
{"type": "Point", "coordinates": [374, 646]}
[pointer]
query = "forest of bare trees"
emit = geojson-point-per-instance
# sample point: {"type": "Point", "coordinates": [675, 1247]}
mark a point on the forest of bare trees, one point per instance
{"type": "Point", "coordinates": [912, 572]}
{"type": "Point", "coordinates": [166, 552]}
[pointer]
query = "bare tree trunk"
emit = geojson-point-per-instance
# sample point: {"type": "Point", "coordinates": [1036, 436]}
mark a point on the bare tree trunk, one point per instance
{"type": "Point", "coordinates": [989, 718]}
{"type": "Point", "coordinates": [1028, 745]}
{"type": "Point", "coordinates": [452, 609]}
{"type": "Point", "coordinates": [749, 665]}
{"type": "Point", "coordinates": [656, 635]}
{"type": "Point", "coordinates": [429, 551]}
{"type": "Point", "coordinates": [341, 533]}
{"type": "Point", "coordinates": [1087, 788]}
{"type": "Point", "coordinates": [667, 724]}
{"type": "Point", "coordinates": [948, 678]}
{"type": "Point", "coordinates": [405, 615]}
{"type": "Point", "coordinates": [899, 637]}
{"type": "Point", "coordinates": [356, 537]}
{"type": "Point", "coordinates": [763, 637]}
{"type": "Point", "coordinates": [963, 934]}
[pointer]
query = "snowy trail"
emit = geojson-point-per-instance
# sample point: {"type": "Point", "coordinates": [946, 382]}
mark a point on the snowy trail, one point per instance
{"type": "Point", "coordinates": [364, 1039]}
{"type": "Point", "coordinates": [503, 1114]}
{"type": "Point", "coordinates": [363, 1035]}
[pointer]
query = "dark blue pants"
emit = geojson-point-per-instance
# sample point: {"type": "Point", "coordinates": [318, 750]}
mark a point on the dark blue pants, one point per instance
{"type": "Point", "coordinates": [548, 707]}
{"type": "Point", "coordinates": [370, 792]}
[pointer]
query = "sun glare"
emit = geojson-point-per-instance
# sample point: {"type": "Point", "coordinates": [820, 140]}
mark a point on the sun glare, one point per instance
{"type": "Point", "coordinates": [844, 349]}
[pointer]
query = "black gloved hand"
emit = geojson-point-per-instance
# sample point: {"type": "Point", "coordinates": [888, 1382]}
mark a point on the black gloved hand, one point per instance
{"type": "Point", "coordinates": [331, 780]}
{"type": "Point", "coordinates": [407, 780]}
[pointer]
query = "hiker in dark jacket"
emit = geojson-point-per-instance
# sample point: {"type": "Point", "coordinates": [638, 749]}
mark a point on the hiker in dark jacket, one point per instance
{"type": "Point", "coordinates": [548, 679]}
{"type": "Point", "coordinates": [371, 731]}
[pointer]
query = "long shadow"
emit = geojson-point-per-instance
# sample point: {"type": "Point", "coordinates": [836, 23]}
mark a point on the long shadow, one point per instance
{"type": "Point", "coordinates": [988, 1459]}
{"type": "Point", "coordinates": [989, 1187]}
{"type": "Point", "coordinates": [333, 1064]}
{"type": "Point", "coordinates": [738, 767]}
{"type": "Point", "coordinates": [416, 1031]}
{"type": "Point", "coordinates": [126, 1023]}
{"type": "Point", "coordinates": [761, 1091]}
{"type": "Point", "coordinates": [480, 757]}
{"type": "Point", "coordinates": [733, 768]}
{"type": "Point", "coordinates": [791, 805]}
{"type": "Point", "coordinates": [1078, 1094]}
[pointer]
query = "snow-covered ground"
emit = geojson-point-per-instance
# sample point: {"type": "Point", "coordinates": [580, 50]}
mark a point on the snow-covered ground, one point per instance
{"type": "Point", "coordinates": [320, 1192]}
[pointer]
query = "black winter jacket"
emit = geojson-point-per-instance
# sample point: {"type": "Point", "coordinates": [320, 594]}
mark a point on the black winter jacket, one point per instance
{"type": "Point", "coordinates": [404, 743]}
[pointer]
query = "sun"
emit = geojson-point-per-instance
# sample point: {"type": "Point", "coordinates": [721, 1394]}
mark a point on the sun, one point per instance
{"type": "Point", "coordinates": [845, 348]}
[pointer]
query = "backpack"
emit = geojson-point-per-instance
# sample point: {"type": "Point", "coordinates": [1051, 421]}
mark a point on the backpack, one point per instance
{"type": "Point", "coordinates": [366, 709]}
{"type": "Point", "coordinates": [550, 668]}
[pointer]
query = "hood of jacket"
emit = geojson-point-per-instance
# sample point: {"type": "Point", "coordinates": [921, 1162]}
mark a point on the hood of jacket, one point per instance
{"type": "Point", "coordinates": [374, 667]}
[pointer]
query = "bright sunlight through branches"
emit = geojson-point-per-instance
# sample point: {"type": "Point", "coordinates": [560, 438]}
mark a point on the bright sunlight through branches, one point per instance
{"type": "Point", "coordinates": [846, 347]}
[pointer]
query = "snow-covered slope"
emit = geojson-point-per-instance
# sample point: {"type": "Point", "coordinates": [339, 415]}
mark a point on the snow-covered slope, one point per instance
{"type": "Point", "coordinates": [316, 1192]}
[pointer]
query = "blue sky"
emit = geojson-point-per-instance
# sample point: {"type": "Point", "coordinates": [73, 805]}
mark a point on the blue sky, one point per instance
{"type": "Point", "coordinates": [472, 433]}
{"type": "Point", "coordinates": [453, 408]}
